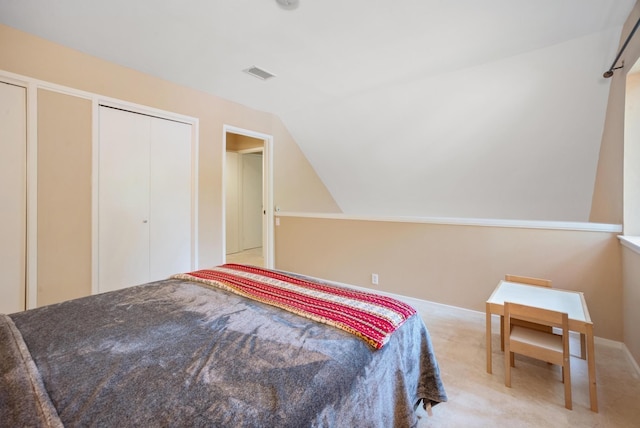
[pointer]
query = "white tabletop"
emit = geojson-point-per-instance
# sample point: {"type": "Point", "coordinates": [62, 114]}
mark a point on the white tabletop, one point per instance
{"type": "Point", "coordinates": [571, 302]}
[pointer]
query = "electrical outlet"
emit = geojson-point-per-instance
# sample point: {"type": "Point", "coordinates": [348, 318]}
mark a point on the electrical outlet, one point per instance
{"type": "Point", "coordinates": [374, 278]}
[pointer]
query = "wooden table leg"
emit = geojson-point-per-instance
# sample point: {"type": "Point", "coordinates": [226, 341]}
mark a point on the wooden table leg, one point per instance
{"type": "Point", "coordinates": [591, 362]}
{"type": "Point", "coordinates": [583, 346]}
{"type": "Point", "coordinates": [488, 309]}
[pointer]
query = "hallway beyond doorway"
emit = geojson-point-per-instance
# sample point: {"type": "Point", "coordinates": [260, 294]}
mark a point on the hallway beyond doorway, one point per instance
{"type": "Point", "coordinates": [252, 256]}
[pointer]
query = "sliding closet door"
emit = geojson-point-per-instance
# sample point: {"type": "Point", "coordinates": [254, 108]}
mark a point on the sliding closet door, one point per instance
{"type": "Point", "coordinates": [170, 198]}
{"type": "Point", "coordinates": [13, 148]}
{"type": "Point", "coordinates": [123, 186]}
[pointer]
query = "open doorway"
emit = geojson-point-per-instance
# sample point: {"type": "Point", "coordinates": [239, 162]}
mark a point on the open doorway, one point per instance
{"type": "Point", "coordinates": [248, 203]}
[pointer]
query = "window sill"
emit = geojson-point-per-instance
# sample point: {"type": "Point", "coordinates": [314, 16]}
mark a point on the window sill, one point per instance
{"type": "Point", "coordinates": [631, 242]}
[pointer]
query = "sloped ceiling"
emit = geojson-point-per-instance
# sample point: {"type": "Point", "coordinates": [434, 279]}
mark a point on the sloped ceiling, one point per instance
{"type": "Point", "coordinates": [465, 108]}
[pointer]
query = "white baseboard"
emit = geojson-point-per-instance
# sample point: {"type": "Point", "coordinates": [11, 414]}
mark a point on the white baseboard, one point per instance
{"type": "Point", "coordinates": [608, 342]}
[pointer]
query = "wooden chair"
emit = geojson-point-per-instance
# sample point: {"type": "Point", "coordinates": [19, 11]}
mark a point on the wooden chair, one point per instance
{"type": "Point", "coordinates": [538, 282]}
{"type": "Point", "coordinates": [541, 345]}
{"type": "Point", "coordinates": [528, 280]}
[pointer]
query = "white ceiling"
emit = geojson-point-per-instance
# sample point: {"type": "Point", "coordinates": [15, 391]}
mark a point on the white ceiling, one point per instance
{"type": "Point", "coordinates": [322, 52]}
{"type": "Point", "coordinates": [325, 54]}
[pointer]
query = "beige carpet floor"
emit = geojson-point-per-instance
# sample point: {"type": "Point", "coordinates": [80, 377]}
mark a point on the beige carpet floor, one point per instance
{"type": "Point", "coordinates": [536, 398]}
{"type": "Point", "coordinates": [252, 256]}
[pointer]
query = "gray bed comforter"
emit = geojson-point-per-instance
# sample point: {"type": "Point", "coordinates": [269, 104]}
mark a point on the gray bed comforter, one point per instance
{"type": "Point", "coordinates": [176, 353]}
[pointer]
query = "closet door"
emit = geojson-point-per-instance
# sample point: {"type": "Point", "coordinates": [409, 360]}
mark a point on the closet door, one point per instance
{"type": "Point", "coordinates": [123, 186]}
{"type": "Point", "coordinates": [13, 148]}
{"type": "Point", "coordinates": [145, 199]}
{"type": "Point", "coordinates": [169, 198]}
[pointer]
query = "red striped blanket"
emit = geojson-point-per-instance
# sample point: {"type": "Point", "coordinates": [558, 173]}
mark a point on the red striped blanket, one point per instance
{"type": "Point", "coordinates": [370, 316]}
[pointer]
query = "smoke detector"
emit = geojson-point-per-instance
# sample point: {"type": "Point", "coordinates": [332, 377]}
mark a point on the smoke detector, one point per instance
{"type": "Point", "coordinates": [288, 4]}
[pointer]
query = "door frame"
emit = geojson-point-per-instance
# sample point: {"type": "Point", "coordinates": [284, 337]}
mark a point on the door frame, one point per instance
{"type": "Point", "coordinates": [28, 287]}
{"type": "Point", "coordinates": [267, 192]}
{"type": "Point", "coordinates": [31, 234]}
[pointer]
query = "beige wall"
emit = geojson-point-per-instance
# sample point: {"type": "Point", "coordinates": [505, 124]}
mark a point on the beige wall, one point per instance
{"type": "Point", "coordinates": [606, 204]}
{"type": "Point", "coordinates": [64, 197]}
{"type": "Point", "coordinates": [607, 201]}
{"type": "Point", "coordinates": [296, 185]}
{"type": "Point", "coordinates": [453, 264]}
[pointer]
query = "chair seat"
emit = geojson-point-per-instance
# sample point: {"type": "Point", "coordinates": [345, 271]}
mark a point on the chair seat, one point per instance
{"type": "Point", "coordinates": [537, 338]}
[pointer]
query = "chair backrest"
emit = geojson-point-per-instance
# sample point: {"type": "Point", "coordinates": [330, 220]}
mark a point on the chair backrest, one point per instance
{"type": "Point", "coordinates": [535, 315]}
{"type": "Point", "coordinates": [537, 344]}
{"type": "Point", "coordinates": [528, 280]}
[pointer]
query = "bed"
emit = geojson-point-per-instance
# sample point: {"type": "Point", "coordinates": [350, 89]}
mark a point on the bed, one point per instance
{"type": "Point", "coordinates": [196, 351]}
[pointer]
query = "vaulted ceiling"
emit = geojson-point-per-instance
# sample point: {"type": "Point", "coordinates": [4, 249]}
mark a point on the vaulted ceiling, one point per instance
{"type": "Point", "coordinates": [462, 108]}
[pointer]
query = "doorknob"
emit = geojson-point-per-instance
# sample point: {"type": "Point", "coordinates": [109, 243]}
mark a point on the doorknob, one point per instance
{"type": "Point", "coordinates": [145, 221]}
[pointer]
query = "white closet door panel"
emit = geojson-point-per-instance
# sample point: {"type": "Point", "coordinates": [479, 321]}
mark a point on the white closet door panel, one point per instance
{"type": "Point", "coordinates": [13, 147]}
{"type": "Point", "coordinates": [251, 201]}
{"type": "Point", "coordinates": [123, 229]}
{"type": "Point", "coordinates": [170, 198]}
{"type": "Point", "coordinates": [232, 204]}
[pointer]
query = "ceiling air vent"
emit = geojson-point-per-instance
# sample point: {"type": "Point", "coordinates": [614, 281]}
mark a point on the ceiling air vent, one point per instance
{"type": "Point", "coordinates": [259, 73]}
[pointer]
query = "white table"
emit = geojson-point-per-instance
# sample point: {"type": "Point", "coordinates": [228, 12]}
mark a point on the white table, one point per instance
{"type": "Point", "coordinates": [571, 302]}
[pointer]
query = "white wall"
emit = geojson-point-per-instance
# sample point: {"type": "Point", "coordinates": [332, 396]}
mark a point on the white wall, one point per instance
{"type": "Point", "coordinates": [243, 205]}
{"type": "Point", "coordinates": [516, 138]}
{"type": "Point", "coordinates": [632, 157]}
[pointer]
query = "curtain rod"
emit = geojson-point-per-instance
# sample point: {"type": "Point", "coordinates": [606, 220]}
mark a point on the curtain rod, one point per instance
{"type": "Point", "coordinates": [609, 72]}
